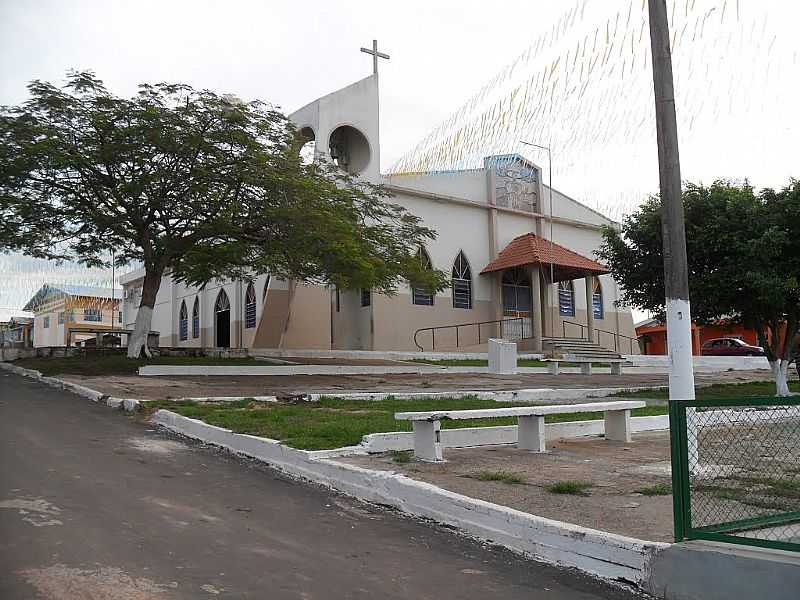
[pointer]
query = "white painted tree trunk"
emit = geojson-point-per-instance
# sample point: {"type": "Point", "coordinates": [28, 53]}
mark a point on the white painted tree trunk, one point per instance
{"type": "Point", "coordinates": [780, 371]}
{"type": "Point", "coordinates": [137, 341]}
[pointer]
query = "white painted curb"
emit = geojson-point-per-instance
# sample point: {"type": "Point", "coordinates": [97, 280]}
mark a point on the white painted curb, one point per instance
{"type": "Point", "coordinates": [129, 404]}
{"type": "Point", "coordinates": [704, 364]}
{"type": "Point", "coordinates": [523, 395]}
{"type": "Point", "coordinates": [599, 553]}
{"type": "Point", "coordinates": [243, 370]}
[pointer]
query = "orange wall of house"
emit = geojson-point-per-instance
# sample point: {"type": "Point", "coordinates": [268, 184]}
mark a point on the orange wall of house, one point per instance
{"type": "Point", "coordinates": [657, 336]}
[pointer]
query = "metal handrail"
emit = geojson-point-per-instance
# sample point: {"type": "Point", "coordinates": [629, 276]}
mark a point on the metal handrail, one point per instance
{"type": "Point", "coordinates": [615, 335]}
{"type": "Point", "coordinates": [456, 327]}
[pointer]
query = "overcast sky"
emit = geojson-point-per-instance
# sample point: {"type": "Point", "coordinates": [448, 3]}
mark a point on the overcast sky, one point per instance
{"type": "Point", "coordinates": [287, 53]}
{"type": "Point", "coordinates": [290, 53]}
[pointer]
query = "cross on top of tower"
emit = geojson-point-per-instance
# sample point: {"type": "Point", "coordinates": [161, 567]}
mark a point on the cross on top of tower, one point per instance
{"type": "Point", "coordinates": [375, 55]}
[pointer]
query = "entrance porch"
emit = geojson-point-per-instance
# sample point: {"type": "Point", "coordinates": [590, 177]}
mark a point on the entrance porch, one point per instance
{"type": "Point", "coordinates": [535, 280]}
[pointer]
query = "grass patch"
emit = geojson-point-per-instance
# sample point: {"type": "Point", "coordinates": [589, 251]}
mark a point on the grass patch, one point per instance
{"type": "Point", "coordinates": [772, 486]}
{"type": "Point", "coordinates": [335, 422]}
{"type": "Point", "coordinates": [501, 476]}
{"type": "Point", "coordinates": [770, 493]}
{"type": "Point", "coordinates": [118, 364]}
{"type": "Point", "coordinates": [573, 487]}
{"type": "Point", "coordinates": [718, 391]}
{"type": "Point", "coordinates": [401, 456]}
{"type": "Point", "coordinates": [658, 489]}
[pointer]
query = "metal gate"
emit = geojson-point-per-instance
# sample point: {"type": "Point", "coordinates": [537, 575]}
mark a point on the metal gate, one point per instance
{"type": "Point", "coordinates": [736, 471]}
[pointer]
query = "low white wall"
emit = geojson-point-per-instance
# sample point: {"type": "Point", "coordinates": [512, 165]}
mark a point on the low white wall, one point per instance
{"type": "Point", "coordinates": [467, 437]}
{"type": "Point", "coordinates": [604, 554]}
{"type": "Point", "coordinates": [376, 354]}
{"type": "Point", "coordinates": [710, 364]}
{"type": "Point", "coordinates": [153, 370]}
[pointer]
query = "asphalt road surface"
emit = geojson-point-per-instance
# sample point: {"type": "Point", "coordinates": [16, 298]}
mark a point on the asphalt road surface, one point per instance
{"type": "Point", "coordinates": [96, 505]}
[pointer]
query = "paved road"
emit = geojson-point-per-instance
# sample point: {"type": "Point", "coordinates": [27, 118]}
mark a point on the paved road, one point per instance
{"type": "Point", "coordinates": [95, 505]}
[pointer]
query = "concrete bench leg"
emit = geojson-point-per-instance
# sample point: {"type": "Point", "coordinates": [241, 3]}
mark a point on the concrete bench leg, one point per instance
{"type": "Point", "coordinates": [616, 368]}
{"type": "Point", "coordinates": [427, 445]}
{"type": "Point", "coordinates": [531, 434]}
{"type": "Point", "coordinates": [552, 367]}
{"type": "Point", "coordinates": [618, 425]}
{"type": "Point", "coordinates": [586, 368]}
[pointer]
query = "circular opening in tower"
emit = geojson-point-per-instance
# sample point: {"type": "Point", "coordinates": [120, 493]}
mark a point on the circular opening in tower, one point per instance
{"type": "Point", "coordinates": [307, 144]}
{"type": "Point", "coordinates": [349, 149]}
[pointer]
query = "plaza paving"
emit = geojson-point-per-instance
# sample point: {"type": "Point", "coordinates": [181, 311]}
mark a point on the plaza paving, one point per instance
{"type": "Point", "coordinates": [164, 387]}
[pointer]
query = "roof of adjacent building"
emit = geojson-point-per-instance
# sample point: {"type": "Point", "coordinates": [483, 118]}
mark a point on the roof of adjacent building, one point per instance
{"type": "Point", "coordinates": [50, 290]}
{"type": "Point", "coordinates": [530, 249]}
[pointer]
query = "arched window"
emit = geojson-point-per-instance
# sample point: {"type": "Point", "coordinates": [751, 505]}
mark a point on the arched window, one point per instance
{"type": "Point", "coordinates": [183, 322]}
{"type": "Point", "coordinates": [566, 299]}
{"type": "Point", "coordinates": [222, 320]}
{"type": "Point", "coordinates": [461, 282]}
{"type": "Point", "coordinates": [222, 304]}
{"type": "Point", "coordinates": [420, 295]}
{"type": "Point", "coordinates": [597, 298]}
{"type": "Point", "coordinates": [266, 288]}
{"type": "Point", "coordinates": [196, 319]}
{"type": "Point", "coordinates": [250, 307]}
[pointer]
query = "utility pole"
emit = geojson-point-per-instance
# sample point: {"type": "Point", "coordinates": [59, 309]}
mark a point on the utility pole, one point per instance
{"type": "Point", "coordinates": [676, 276]}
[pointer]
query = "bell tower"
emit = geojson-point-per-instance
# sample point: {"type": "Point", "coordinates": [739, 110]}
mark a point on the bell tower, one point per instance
{"type": "Point", "coordinates": [344, 125]}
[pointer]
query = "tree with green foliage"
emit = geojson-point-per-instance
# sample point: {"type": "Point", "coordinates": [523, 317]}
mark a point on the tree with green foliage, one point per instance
{"type": "Point", "coordinates": [744, 262]}
{"type": "Point", "coordinates": [193, 184]}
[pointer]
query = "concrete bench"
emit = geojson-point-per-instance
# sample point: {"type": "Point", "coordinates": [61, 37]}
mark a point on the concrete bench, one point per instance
{"type": "Point", "coordinates": [585, 364]}
{"type": "Point", "coordinates": [531, 436]}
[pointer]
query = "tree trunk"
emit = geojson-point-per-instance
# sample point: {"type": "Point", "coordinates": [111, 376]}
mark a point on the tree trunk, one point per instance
{"type": "Point", "coordinates": [137, 341]}
{"type": "Point", "coordinates": [780, 371]}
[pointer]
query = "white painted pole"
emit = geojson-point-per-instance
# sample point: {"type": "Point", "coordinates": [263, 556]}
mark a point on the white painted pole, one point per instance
{"type": "Point", "coordinates": [676, 277]}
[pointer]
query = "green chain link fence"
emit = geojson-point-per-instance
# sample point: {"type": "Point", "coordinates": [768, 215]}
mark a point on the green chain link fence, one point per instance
{"type": "Point", "coordinates": [736, 471]}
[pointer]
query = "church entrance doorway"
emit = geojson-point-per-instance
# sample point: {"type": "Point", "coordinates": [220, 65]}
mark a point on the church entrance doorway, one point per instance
{"type": "Point", "coordinates": [517, 303]}
{"type": "Point", "coordinates": [222, 325]}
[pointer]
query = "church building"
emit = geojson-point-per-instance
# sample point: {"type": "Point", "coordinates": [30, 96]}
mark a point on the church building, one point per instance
{"type": "Point", "coordinates": [519, 253]}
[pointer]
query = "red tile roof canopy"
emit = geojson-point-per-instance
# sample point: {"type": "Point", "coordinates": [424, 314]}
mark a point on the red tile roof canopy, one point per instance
{"type": "Point", "coordinates": [530, 249]}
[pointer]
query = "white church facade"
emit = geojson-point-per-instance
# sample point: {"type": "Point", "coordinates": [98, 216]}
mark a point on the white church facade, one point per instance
{"type": "Point", "coordinates": [512, 265]}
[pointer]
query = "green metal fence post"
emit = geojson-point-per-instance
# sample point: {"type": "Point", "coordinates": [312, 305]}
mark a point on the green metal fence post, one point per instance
{"type": "Point", "coordinates": [680, 491]}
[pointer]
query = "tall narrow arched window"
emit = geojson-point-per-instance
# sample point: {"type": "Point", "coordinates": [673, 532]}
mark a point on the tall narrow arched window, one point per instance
{"type": "Point", "coordinates": [250, 307]}
{"type": "Point", "coordinates": [222, 320]}
{"type": "Point", "coordinates": [597, 298]}
{"type": "Point", "coordinates": [566, 299]}
{"type": "Point", "coordinates": [420, 295]}
{"type": "Point", "coordinates": [183, 322]}
{"type": "Point", "coordinates": [461, 282]}
{"type": "Point", "coordinates": [222, 304]}
{"type": "Point", "coordinates": [196, 318]}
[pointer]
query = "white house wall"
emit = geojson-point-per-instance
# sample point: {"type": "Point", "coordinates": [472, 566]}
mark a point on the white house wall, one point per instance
{"type": "Point", "coordinates": [55, 335]}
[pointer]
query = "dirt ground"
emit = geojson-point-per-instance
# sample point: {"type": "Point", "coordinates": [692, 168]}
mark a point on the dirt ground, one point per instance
{"type": "Point", "coordinates": [165, 387]}
{"type": "Point", "coordinates": [615, 469]}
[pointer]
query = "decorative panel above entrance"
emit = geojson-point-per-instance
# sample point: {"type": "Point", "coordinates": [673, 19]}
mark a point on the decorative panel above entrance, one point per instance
{"type": "Point", "coordinates": [514, 182]}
